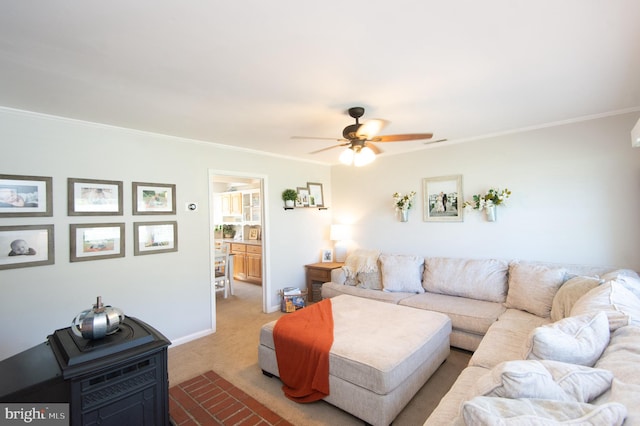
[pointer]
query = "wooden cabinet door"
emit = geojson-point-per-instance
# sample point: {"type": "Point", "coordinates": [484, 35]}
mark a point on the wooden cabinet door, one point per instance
{"type": "Point", "coordinates": [236, 203]}
{"type": "Point", "coordinates": [254, 267]}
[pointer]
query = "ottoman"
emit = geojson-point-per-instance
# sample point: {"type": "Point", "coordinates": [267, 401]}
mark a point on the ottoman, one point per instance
{"type": "Point", "coordinates": [382, 354]}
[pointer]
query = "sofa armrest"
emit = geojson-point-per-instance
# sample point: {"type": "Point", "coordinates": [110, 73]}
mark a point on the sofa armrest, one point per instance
{"type": "Point", "coordinates": [338, 276]}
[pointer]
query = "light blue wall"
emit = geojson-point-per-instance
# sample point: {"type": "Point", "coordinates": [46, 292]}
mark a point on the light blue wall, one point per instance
{"type": "Point", "coordinates": [170, 291]}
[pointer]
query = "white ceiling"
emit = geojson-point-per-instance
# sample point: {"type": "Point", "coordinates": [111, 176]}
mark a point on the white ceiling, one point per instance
{"type": "Point", "coordinates": [253, 73]}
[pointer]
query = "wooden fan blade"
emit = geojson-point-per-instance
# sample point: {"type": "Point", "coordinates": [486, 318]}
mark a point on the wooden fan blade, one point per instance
{"type": "Point", "coordinates": [374, 148]}
{"type": "Point", "coordinates": [370, 128]}
{"type": "Point", "coordinates": [320, 139]}
{"type": "Point", "coordinates": [329, 147]}
{"type": "Point", "coordinates": [400, 138]}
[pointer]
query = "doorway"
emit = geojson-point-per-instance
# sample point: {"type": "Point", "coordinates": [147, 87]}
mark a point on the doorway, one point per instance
{"type": "Point", "coordinates": [237, 220]}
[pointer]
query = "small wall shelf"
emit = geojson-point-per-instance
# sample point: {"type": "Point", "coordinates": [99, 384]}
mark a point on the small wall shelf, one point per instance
{"type": "Point", "coordinates": [296, 208]}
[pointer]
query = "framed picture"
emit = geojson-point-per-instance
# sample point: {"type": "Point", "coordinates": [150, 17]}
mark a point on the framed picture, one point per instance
{"type": "Point", "coordinates": [96, 241]}
{"type": "Point", "coordinates": [443, 199]}
{"type": "Point", "coordinates": [316, 198]}
{"type": "Point", "coordinates": [25, 196]}
{"type": "Point", "coordinates": [24, 246]}
{"type": "Point", "coordinates": [155, 237]}
{"type": "Point", "coordinates": [91, 197]}
{"type": "Point", "coordinates": [154, 198]}
{"type": "Point", "coordinates": [327, 255]}
{"type": "Point", "coordinates": [303, 197]}
{"type": "Point", "coordinates": [253, 233]}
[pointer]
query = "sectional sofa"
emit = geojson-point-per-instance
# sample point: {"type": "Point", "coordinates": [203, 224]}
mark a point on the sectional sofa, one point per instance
{"type": "Point", "coordinates": [550, 342]}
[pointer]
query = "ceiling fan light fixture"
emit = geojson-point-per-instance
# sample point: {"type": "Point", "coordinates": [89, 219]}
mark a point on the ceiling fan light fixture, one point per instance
{"type": "Point", "coordinates": [346, 157]}
{"type": "Point", "coordinates": [364, 157]}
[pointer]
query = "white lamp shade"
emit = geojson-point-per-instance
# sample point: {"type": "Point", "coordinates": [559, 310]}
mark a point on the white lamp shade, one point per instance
{"type": "Point", "coordinates": [340, 232]}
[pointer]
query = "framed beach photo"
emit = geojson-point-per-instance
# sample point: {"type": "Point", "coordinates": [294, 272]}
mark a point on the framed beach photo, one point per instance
{"type": "Point", "coordinates": [25, 196]}
{"type": "Point", "coordinates": [92, 197]}
{"type": "Point", "coordinates": [155, 237]}
{"type": "Point", "coordinates": [316, 196]}
{"type": "Point", "coordinates": [443, 199]}
{"type": "Point", "coordinates": [154, 198]}
{"type": "Point", "coordinates": [25, 246]}
{"type": "Point", "coordinates": [96, 241]}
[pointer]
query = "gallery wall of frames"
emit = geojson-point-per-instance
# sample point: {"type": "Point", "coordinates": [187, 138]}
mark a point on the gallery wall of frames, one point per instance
{"type": "Point", "coordinates": [33, 244]}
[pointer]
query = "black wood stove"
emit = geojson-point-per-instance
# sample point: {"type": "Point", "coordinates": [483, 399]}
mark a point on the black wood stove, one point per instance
{"type": "Point", "coordinates": [120, 380]}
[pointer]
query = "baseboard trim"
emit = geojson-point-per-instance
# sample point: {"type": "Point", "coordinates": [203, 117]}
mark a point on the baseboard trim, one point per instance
{"type": "Point", "coordinates": [182, 340]}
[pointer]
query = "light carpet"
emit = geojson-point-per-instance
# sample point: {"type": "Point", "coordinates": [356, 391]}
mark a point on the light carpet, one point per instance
{"type": "Point", "coordinates": [232, 352]}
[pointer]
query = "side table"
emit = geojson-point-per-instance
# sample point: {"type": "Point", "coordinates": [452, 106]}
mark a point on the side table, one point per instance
{"type": "Point", "coordinates": [318, 274]}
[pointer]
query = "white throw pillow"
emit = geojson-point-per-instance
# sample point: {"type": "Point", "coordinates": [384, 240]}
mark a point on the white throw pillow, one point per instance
{"type": "Point", "coordinates": [480, 279]}
{"type": "Point", "coordinates": [576, 340]}
{"type": "Point", "coordinates": [401, 273]}
{"type": "Point", "coordinates": [483, 410]}
{"type": "Point", "coordinates": [544, 380]}
{"type": "Point", "coordinates": [569, 293]}
{"type": "Point", "coordinates": [621, 306]}
{"type": "Point", "coordinates": [532, 287]}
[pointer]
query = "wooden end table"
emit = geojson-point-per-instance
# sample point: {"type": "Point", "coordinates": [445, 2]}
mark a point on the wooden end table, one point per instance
{"type": "Point", "coordinates": [318, 274]}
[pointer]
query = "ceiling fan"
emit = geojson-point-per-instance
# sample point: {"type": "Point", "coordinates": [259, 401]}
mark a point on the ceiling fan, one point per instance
{"type": "Point", "coordinates": [359, 139]}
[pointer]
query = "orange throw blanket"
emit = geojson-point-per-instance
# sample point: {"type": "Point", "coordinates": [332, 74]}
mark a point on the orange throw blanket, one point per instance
{"type": "Point", "coordinates": [302, 341]}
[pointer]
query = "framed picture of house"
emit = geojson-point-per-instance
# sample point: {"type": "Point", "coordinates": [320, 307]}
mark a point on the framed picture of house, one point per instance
{"type": "Point", "coordinates": [25, 196]}
{"type": "Point", "coordinates": [303, 197]}
{"type": "Point", "coordinates": [154, 198]}
{"type": "Point", "coordinates": [96, 241]}
{"type": "Point", "coordinates": [316, 197]}
{"type": "Point", "coordinates": [154, 237]}
{"type": "Point", "coordinates": [442, 198]}
{"type": "Point", "coordinates": [92, 197]}
{"type": "Point", "coordinates": [25, 246]}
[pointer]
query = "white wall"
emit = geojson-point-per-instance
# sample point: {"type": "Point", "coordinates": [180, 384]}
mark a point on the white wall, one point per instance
{"type": "Point", "coordinates": [170, 291]}
{"type": "Point", "coordinates": [576, 197]}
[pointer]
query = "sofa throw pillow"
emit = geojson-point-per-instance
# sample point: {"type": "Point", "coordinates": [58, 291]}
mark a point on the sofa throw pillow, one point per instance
{"type": "Point", "coordinates": [480, 279]}
{"type": "Point", "coordinates": [569, 293]}
{"type": "Point", "coordinates": [621, 306]}
{"type": "Point", "coordinates": [401, 273]}
{"type": "Point", "coordinates": [532, 287]}
{"type": "Point", "coordinates": [576, 340]}
{"type": "Point", "coordinates": [522, 412]}
{"type": "Point", "coordinates": [544, 380]}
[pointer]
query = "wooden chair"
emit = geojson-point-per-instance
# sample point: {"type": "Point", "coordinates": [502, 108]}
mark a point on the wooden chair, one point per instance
{"type": "Point", "coordinates": [223, 270]}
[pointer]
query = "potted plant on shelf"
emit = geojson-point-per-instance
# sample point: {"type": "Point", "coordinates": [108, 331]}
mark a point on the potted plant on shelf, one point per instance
{"type": "Point", "coordinates": [289, 196]}
{"type": "Point", "coordinates": [228, 231]}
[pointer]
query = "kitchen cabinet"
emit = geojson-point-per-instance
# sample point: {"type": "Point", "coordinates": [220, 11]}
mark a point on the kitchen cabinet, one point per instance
{"type": "Point", "coordinates": [247, 262]}
{"type": "Point", "coordinates": [231, 203]}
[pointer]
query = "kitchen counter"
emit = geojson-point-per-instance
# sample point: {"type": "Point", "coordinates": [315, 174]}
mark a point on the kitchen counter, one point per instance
{"type": "Point", "coordinates": [248, 242]}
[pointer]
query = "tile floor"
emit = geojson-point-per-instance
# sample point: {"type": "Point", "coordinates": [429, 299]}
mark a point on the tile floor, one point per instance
{"type": "Point", "coordinates": [208, 399]}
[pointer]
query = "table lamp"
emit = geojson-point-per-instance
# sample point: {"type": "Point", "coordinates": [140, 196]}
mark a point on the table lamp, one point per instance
{"type": "Point", "coordinates": [340, 234]}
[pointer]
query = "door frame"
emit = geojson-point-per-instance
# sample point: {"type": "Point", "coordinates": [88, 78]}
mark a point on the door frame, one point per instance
{"type": "Point", "coordinates": [266, 278]}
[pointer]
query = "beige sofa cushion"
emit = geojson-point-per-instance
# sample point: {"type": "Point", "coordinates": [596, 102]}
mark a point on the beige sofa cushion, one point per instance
{"type": "Point", "coordinates": [505, 338]}
{"type": "Point", "coordinates": [621, 305]}
{"type": "Point", "coordinates": [481, 279]}
{"type": "Point", "coordinates": [483, 410]}
{"type": "Point", "coordinates": [401, 273]}
{"type": "Point", "coordinates": [532, 287]}
{"type": "Point", "coordinates": [569, 293]}
{"type": "Point", "coordinates": [544, 380]}
{"type": "Point", "coordinates": [622, 356]}
{"type": "Point", "coordinates": [576, 340]}
{"type": "Point", "coordinates": [470, 315]}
